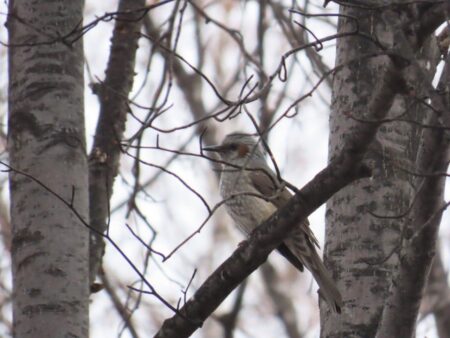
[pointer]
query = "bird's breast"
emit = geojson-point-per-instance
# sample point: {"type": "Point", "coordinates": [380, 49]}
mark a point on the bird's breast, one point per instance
{"type": "Point", "coordinates": [243, 202]}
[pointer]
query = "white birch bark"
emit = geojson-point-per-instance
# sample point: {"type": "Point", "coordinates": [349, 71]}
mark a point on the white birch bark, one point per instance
{"type": "Point", "coordinates": [47, 141]}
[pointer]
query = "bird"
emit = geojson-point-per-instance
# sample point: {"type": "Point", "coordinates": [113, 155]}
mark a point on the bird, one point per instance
{"type": "Point", "coordinates": [252, 192]}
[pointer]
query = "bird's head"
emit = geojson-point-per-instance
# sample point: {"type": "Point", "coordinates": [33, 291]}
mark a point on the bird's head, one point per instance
{"type": "Point", "coordinates": [238, 148]}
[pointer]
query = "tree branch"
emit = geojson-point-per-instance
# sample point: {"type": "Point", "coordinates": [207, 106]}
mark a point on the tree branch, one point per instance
{"type": "Point", "coordinates": [252, 253]}
{"type": "Point", "coordinates": [343, 170]}
{"type": "Point", "coordinates": [113, 96]}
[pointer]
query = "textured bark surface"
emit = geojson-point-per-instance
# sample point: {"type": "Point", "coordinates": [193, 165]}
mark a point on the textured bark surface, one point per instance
{"type": "Point", "coordinates": [113, 95]}
{"type": "Point", "coordinates": [365, 226]}
{"type": "Point", "coordinates": [357, 242]}
{"type": "Point", "coordinates": [437, 297]}
{"type": "Point", "coordinates": [47, 142]}
{"type": "Point", "coordinates": [422, 223]}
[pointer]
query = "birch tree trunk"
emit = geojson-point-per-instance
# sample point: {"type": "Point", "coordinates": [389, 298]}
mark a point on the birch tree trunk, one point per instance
{"type": "Point", "coordinates": [48, 161]}
{"type": "Point", "coordinates": [369, 221]}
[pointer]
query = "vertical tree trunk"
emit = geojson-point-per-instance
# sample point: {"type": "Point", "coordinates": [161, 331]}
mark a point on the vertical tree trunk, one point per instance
{"type": "Point", "coordinates": [380, 254]}
{"type": "Point", "coordinates": [113, 95]}
{"type": "Point", "coordinates": [47, 142]}
{"type": "Point", "coordinates": [423, 220]}
{"type": "Point", "coordinates": [437, 297]}
{"type": "Point", "coordinates": [358, 242]}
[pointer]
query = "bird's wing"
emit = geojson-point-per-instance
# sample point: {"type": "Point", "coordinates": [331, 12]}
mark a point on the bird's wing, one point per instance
{"type": "Point", "coordinates": [289, 255]}
{"type": "Point", "coordinates": [298, 248]}
{"type": "Point", "coordinates": [267, 185]}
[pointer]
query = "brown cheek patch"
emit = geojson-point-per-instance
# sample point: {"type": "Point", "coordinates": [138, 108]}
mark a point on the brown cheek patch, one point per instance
{"type": "Point", "coordinates": [243, 150]}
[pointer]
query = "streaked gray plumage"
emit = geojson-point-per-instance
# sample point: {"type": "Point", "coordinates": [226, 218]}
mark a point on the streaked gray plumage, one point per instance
{"type": "Point", "coordinates": [252, 193]}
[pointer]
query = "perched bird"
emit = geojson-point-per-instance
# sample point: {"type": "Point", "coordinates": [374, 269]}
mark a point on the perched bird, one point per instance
{"type": "Point", "coordinates": [252, 193]}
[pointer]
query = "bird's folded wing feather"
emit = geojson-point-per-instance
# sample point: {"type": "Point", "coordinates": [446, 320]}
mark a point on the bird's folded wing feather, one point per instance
{"type": "Point", "coordinates": [267, 185]}
{"type": "Point", "coordinates": [289, 255]}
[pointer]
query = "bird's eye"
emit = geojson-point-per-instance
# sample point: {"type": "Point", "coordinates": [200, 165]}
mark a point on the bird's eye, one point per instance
{"type": "Point", "coordinates": [233, 147]}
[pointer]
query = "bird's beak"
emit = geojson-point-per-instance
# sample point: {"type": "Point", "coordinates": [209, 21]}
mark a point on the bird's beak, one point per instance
{"type": "Point", "coordinates": [217, 149]}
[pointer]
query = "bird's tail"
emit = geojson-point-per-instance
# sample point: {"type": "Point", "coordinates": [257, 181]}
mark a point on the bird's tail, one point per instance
{"type": "Point", "coordinates": [303, 248]}
{"type": "Point", "coordinates": [327, 287]}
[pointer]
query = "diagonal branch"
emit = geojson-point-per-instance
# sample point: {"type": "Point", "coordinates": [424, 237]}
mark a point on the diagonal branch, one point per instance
{"type": "Point", "coordinates": [252, 253]}
{"type": "Point", "coordinates": [342, 171]}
